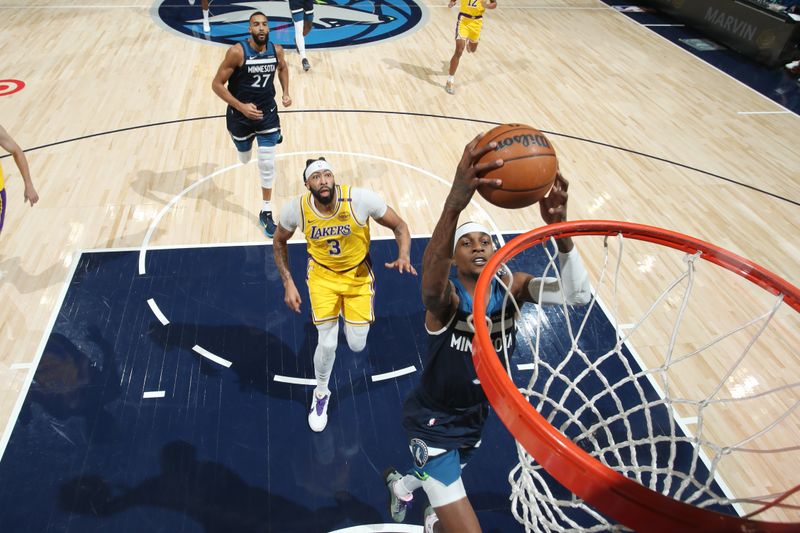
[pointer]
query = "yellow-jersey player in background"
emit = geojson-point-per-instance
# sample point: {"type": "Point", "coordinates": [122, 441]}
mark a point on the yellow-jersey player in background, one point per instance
{"type": "Point", "coordinates": [468, 32]}
{"type": "Point", "coordinates": [8, 144]}
{"type": "Point", "coordinates": [335, 221]}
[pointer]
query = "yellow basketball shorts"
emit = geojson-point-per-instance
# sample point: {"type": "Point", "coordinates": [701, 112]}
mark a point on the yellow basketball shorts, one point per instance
{"type": "Point", "coordinates": [350, 293]}
{"type": "Point", "coordinates": [468, 28]}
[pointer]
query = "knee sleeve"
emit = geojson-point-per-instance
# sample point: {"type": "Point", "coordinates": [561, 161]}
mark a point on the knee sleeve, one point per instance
{"type": "Point", "coordinates": [440, 494]}
{"type": "Point", "coordinates": [244, 157]}
{"type": "Point", "coordinates": [325, 354]}
{"type": "Point", "coordinates": [356, 336]}
{"type": "Point", "coordinates": [299, 40]}
{"type": "Point", "coordinates": [266, 166]}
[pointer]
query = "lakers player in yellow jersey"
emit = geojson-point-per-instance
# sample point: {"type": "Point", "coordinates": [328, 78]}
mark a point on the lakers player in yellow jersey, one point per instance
{"type": "Point", "coordinates": [13, 148]}
{"type": "Point", "coordinates": [335, 221]}
{"type": "Point", "coordinates": [468, 32]}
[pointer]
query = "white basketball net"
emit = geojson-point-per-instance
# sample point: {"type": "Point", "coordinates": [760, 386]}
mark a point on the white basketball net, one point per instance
{"type": "Point", "coordinates": [631, 437]}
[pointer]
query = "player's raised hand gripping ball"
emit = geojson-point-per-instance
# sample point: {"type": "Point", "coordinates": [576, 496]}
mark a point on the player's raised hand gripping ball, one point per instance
{"type": "Point", "coordinates": [529, 167]}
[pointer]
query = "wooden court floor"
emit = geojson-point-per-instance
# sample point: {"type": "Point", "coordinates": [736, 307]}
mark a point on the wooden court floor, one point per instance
{"type": "Point", "coordinates": [123, 120]}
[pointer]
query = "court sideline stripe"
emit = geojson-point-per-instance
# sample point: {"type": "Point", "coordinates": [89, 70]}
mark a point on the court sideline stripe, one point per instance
{"type": "Point", "coordinates": [763, 112]}
{"type": "Point", "coordinates": [463, 119]}
{"type": "Point", "coordinates": [23, 393]}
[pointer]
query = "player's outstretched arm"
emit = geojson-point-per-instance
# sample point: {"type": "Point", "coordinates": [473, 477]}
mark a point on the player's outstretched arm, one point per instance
{"type": "Point", "coordinates": [574, 288]}
{"type": "Point", "coordinates": [283, 76]}
{"type": "Point", "coordinates": [291, 295]}
{"type": "Point", "coordinates": [393, 221]}
{"type": "Point", "coordinates": [438, 256]}
{"type": "Point", "coordinates": [13, 148]}
{"type": "Point", "coordinates": [553, 208]}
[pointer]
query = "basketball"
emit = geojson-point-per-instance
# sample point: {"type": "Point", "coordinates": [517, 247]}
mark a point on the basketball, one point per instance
{"type": "Point", "coordinates": [529, 168]}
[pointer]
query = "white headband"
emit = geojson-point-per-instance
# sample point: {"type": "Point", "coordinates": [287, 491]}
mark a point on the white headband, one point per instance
{"type": "Point", "coordinates": [469, 227]}
{"type": "Point", "coordinates": [316, 166]}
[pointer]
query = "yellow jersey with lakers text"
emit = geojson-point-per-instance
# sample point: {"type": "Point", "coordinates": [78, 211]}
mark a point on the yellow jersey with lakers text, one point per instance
{"type": "Point", "coordinates": [473, 8]}
{"type": "Point", "coordinates": [2, 183]}
{"type": "Point", "coordinates": [337, 241]}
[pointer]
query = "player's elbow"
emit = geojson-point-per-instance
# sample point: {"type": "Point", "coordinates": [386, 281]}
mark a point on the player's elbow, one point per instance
{"type": "Point", "coordinates": [218, 86]}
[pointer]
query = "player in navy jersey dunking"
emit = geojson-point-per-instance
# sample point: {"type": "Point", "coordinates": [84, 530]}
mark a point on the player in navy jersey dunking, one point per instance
{"type": "Point", "coordinates": [444, 415]}
{"type": "Point", "coordinates": [249, 70]}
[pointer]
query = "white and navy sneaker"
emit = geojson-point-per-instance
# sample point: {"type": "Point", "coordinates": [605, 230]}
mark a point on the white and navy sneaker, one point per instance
{"type": "Point", "coordinates": [318, 415]}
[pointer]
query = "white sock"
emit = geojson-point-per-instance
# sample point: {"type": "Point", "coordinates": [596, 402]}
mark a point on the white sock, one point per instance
{"type": "Point", "coordinates": [265, 206]}
{"type": "Point", "coordinates": [451, 79]}
{"type": "Point", "coordinates": [402, 490]}
{"type": "Point", "coordinates": [205, 16]}
{"type": "Point", "coordinates": [299, 39]}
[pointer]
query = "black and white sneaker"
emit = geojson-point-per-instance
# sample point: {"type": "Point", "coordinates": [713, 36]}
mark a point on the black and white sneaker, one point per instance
{"type": "Point", "coordinates": [265, 217]}
{"type": "Point", "coordinates": [306, 65]}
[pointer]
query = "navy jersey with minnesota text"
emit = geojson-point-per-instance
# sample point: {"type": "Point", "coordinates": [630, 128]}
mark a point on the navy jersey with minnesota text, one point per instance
{"type": "Point", "coordinates": [448, 407]}
{"type": "Point", "coordinates": [253, 82]}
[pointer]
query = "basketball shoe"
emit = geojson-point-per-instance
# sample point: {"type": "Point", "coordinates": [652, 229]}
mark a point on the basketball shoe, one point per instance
{"type": "Point", "coordinates": [265, 217]}
{"type": "Point", "coordinates": [318, 415]}
{"type": "Point", "coordinates": [450, 87]}
{"type": "Point", "coordinates": [306, 65]}
{"type": "Point", "coordinates": [397, 506]}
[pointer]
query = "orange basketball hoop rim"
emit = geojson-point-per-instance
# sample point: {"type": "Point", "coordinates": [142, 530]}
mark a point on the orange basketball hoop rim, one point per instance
{"type": "Point", "coordinates": [608, 491]}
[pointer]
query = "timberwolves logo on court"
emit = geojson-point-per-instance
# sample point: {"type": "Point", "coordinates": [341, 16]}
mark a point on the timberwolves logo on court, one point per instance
{"type": "Point", "coordinates": [337, 23]}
